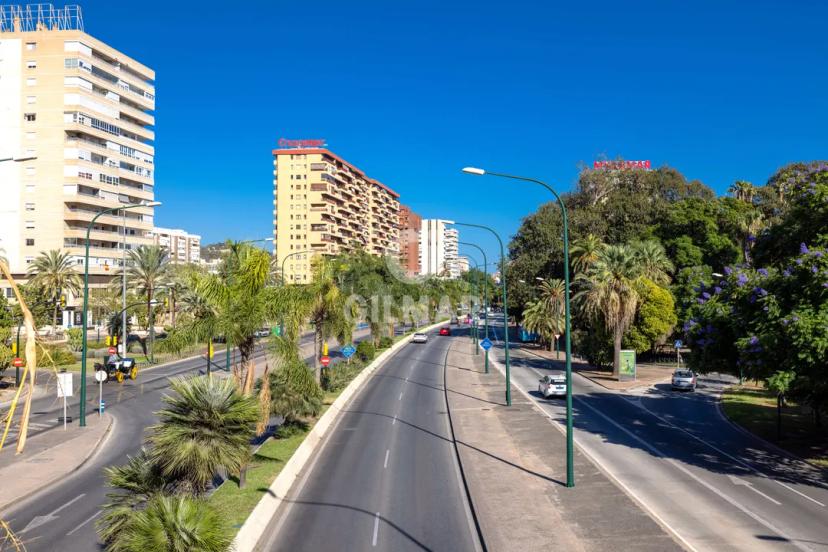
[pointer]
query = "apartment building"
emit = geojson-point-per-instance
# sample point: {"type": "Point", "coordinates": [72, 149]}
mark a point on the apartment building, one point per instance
{"type": "Point", "coordinates": [183, 246]}
{"type": "Point", "coordinates": [76, 117]}
{"type": "Point", "coordinates": [325, 205]}
{"type": "Point", "coordinates": [438, 249]}
{"type": "Point", "coordinates": [410, 240]}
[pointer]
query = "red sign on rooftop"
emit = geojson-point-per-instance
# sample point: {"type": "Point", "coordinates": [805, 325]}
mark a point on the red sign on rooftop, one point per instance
{"type": "Point", "coordinates": [617, 165]}
{"type": "Point", "coordinates": [285, 143]}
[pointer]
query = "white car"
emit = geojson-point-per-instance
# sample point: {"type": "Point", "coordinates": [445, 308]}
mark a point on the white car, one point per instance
{"type": "Point", "coordinates": [684, 379]}
{"type": "Point", "coordinates": [553, 385]}
{"type": "Point", "coordinates": [419, 338]}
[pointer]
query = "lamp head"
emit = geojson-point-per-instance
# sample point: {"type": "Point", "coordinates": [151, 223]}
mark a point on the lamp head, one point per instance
{"type": "Point", "coordinates": [474, 170]}
{"type": "Point", "coordinates": [152, 204]}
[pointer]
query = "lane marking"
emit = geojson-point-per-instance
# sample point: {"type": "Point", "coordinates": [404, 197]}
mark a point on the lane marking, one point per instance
{"type": "Point", "coordinates": [394, 421]}
{"type": "Point", "coordinates": [99, 512]}
{"type": "Point", "coordinates": [376, 530]}
{"type": "Point", "coordinates": [37, 521]}
{"type": "Point", "coordinates": [387, 452]}
{"type": "Point", "coordinates": [742, 483]}
{"type": "Point", "coordinates": [400, 397]}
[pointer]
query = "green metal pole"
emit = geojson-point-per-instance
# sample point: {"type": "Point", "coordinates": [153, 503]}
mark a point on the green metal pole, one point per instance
{"type": "Point", "coordinates": [227, 350]}
{"type": "Point", "coordinates": [485, 297]}
{"type": "Point", "coordinates": [17, 368]}
{"type": "Point", "coordinates": [505, 310]}
{"type": "Point", "coordinates": [570, 471]}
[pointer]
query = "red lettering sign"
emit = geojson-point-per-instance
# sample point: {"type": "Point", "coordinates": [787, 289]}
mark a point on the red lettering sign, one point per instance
{"type": "Point", "coordinates": [618, 165]}
{"type": "Point", "coordinates": [285, 143]}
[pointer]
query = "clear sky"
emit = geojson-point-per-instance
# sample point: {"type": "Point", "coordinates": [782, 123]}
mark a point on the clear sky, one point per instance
{"type": "Point", "coordinates": [411, 91]}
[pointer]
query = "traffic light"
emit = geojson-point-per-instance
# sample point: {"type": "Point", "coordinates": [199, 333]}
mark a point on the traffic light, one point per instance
{"type": "Point", "coordinates": [114, 340]}
{"type": "Point", "coordinates": [210, 349]}
{"type": "Point", "coordinates": [62, 301]}
{"type": "Point", "coordinates": [166, 302]}
{"type": "Point", "coordinates": [108, 340]}
{"type": "Point", "coordinates": [14, 349]}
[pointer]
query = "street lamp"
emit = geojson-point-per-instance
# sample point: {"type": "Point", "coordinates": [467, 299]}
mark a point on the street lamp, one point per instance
{"type": "Point", "coordinates": [82, 416]}
{"type": "Point", "coordinates": [485, 296]}
{"type": "Point", "coordinates": [475, 290]}
{"type": "Point", "coordinates": [505, 307]}
{"type": "Point", "coordinates": [570, 470]}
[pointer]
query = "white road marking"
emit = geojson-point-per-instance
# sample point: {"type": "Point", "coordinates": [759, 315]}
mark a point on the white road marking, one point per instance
{"type": "Point", "coordinates": [37, 521]}
{"type": "Point", "coordinates": [742, 483]}
{"type": "Point", "coordinates": [376, 529]}
{"type": "Point", "coordinates": [400, 397]}
{"type": "Point", "coordinates": [99, 512]}
{"type": "Point", "coordinates": [395, 420]}
{"type": "Point", "coordinates": [387, 452]}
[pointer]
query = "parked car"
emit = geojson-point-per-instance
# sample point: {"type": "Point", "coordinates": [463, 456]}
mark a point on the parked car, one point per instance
{"type": "Point", "coordinates": [419, 338]}
{"type": "Point", "coordinates": [445, 331]}
{"type": "Point", "coordinates": [454, 320]}
{"type": "Point", "coordinates": [684, 379]}
{"type": "Point", "coordinates": [552, 385]}
{"type": "Point", "coordinates": [262, 332]}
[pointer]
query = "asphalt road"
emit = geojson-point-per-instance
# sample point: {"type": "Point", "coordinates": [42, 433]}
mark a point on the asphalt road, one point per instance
{"type": "Point", "coordinates": [717, 487]}
{"type": "Point", "coordinates": [62, 517]}
{"type": "Point", "coordinates": [386, 477]}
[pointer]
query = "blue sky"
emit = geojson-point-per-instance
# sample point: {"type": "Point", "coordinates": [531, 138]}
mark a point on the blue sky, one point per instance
{"type": "Point", "coordinates": [411, 91]}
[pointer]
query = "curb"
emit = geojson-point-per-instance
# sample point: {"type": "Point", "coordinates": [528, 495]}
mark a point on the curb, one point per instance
{"type": "Point", "coordinates": [42, 486]}
{"type": "Point", "coordinates": [257, 522]}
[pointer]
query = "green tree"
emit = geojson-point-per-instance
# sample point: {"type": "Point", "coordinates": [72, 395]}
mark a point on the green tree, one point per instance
{"type": "Point", "coordinates": [607, 293]}
{"type": "Point", "coordinates": [330, 313]}
{"type": "Point", "coordinates": [147, 271]}
{"type": "Point", "coordinates": [779, 383]}
{"type": "Point", "coordinates": [176, 524]}
{"type": "Point", "coordinates": [653, 260]}
{"type": "Point", "coordinates": [54, 272]}
{"type": "Point", "coordinates": [207, 425]}
{"type": "Point", "coordinates": [294, 392]}
{"type": "Point", "coordinates": [585, 251]}
{"type": "Point", "coordinates": [654, 319]}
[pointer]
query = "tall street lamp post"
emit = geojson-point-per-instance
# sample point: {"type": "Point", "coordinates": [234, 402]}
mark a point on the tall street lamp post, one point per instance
{"type": "Point", "coordinates": [570, 470]}
{"type": "Point", "coordinates": [485, 297]}
{"type": "Point", "coordinates": [82, 416]}
{"type": "Point", "coordinates": [505, 307]}
{"type": "Point", "coordinates": [475, 292]}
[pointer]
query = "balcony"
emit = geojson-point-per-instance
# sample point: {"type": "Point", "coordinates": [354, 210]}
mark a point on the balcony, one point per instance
{"type": "Point", "coordinates": [86, 215]}
{"type": "Point", "coordinates": [103, 135]}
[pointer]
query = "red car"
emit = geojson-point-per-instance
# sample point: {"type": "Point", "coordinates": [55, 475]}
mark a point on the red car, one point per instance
{"type": "Point", "coordinates": [445, 331]}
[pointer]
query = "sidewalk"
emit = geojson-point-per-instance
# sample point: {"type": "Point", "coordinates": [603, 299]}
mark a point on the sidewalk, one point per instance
{"type": "Point", "coordinates": [514, 462]}
{"type": "Point", "coordinates": [48, 457]}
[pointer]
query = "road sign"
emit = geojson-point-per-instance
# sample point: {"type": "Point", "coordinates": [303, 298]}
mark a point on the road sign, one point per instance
{"type": "Point", "coordinates": [486, 344]}
{"type": "Point", "coordinates": [100, 376]}
{"type": "Point", "coordinates": [678, 344]}
{"type": "Point", "coordinates": [325, 360]}
{"type": "Point", "coordinates": [64, 384]}
{"type": "Point", "coordinates": [627, 369]}
{"type": "Point", "coordinates": [348, 351]}
{"type": "Point", "coordinates": [112, 350]}
{"type": "Point", "coordinates": [276, 330]}
{"type": "Point", "coordinates": [17, 363]}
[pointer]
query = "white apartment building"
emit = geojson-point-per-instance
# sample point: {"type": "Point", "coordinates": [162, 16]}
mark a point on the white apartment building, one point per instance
{"type": "Point", "coordinates": [183, 246]}
{"type": "Point", "coordinates": [438, 249]}
{"type": "Point", "coordinates": [76, 137]}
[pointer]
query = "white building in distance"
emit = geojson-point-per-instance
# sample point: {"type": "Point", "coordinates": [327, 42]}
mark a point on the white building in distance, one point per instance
{"type": "Point", "coordinates": [438, 249]}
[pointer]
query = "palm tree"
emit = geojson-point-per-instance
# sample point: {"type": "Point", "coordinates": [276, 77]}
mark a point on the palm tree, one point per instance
{"type": "Point", "coordinates": [294, 392]}
{"type": "Point", "coordinates": [54, 271]}
{"type": "Point", "coordinates": [585, 251]}
{"type": "Point", "coordinates": [176, 524]}
{"type": "Point", "coordinates": [653, 259]}
{"type": "Point", "coordinates": [545, 316]}
{"type": "Point", "coordinates": [147, 271]}
{"type": "Point", "coordinates": [329, 316]}
{"type": "Point", "coordinates": [207, 425]}
{"type": "Point", "coordinates": [608, 293]}
{"type": "Point", "coordinates": [743, 191]}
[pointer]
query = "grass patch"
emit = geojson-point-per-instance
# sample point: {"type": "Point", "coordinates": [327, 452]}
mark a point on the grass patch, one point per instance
{"type": "Point", "coordinates": [754, 408]}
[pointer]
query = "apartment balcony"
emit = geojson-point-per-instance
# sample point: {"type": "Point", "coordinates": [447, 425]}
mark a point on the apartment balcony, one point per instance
{"type": "Point", "coordinates": [103, 135]}
{"type": "Point", "coordinates": [122, 106]}
{"type": "Point", "coordinates": [137, 97]}
{"type": "Point", "coordinates": [96, 200]}
{"type": "Point", "coordinates": [86, 215]}
{"type": "Point", "coordinates": [101, 149]}
{"type": "Point", "coordinates": [105, 236]}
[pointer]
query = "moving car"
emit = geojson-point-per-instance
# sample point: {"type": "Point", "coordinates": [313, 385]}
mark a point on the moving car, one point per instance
{"type": "Point", "coordinates": [553, 385]}
{"type": "Point", "coordinates": [445, 331]}
{"type": "Point", "coordinates": [684, 379]}
{"type": "Point", "coordinates": [419, 338]}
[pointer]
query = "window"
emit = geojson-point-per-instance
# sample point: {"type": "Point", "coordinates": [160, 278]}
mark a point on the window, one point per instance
{"type": "Point", "coordinates": [86, 175]}
{"type": "Point", "coordinates": [31, 81]}
{"type": "Point", "coordinates": [29, 241]}
{"type": "Point", "coordinates": [30, 225]}
{"type": "Point", "coordinates": [29, 260]}
{"type": "Point", "coordinates": [31, 45]}
{"type": "Point", "coordinates": [31, 64]}
{"type": "Point", "coordinates": [70, 63]}
{"type": "Point", "coordinates": [30, 206]}
{"type": "Point", "coordinates": [30, 117]}
{"type": "Point", "coordinates": [9, 293]}
{"type": "Point", "coordinates": [31, 99]}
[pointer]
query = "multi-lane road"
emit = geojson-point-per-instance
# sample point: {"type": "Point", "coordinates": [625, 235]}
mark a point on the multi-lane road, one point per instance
{"type": "Point", "coordinates": [387, 476]}
{"type": "Point", "coordinates": [715, 486]}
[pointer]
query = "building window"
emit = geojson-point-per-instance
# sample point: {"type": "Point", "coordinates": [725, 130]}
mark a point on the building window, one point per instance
{"type": "Point", "coordinates": [29, 241]}
{"type": "Point", "coordinates": [85, 175]}
{"type": "Point", "coordinates": [30, 225]}
{"type": "Point", "coordinates": [30, 117]}
{"type": "Point", "coordinates": [31, 45]}
{"type": "Point", "coordinates": [31, 81]}
{"type": "Point", "coordinates": [29, 260]}
{"type": "Point", "coordinates": [9, 293]}
{"type": "Point", "coordinates": [70, 63]}
{"type": "Point", "coordinates": [30, 206]}
{"type": "Point", "coordinates": [31, 99]}
{"type": "Point", "coordinates": [31, 64]}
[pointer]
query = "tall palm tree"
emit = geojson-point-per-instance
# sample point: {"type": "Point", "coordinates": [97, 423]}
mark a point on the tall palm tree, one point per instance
{"type": "Point", "coordinates": [585, 251]}
{"type": "Point", "coordinates": [608, 293]}
{"type": "Point", "coordinates": [653, 260]}
{"type": "Point", "coordinates": [546, 316]}
{"type": "Point", "coordinates": [176, 524]}
{"type": "Point", "coordinates": [743, 191]}
{"type": "Point", "coordinates": [54, 271]}
{"type": "Point", "coordinates": [147, 271]}
{"type": "Point", "coordinates": [329, 316]}
{"type": "Point", "coordinates": [207, 424]}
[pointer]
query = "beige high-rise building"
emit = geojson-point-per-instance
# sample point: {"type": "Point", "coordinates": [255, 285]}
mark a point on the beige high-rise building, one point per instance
{"type": "Point", "coordinates": [323, 204]}
{"type": "Point", "coordinates": [182, 246]}
{"type": "Point", "coordinates": [76, 114]}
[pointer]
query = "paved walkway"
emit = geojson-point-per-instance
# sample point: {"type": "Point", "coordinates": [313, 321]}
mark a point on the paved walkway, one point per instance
{"type": "Point", "coordinates": [514, 461]}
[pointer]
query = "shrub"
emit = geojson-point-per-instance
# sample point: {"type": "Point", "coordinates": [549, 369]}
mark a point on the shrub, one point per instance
{"type": "Point", "coordinates": [75, 336]}
{"type": "Point", "coordinates": [60, 356]}
{"type": "Point", "coordinates": [365, 351]}
{"type": "Point", "coordinates": [340, 375]}
{"type": "Point", "coordinates": [385, 342]}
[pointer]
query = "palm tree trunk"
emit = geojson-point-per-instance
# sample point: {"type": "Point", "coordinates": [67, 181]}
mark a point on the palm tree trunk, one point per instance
{"type": "Point", "coordinates": [616, 354]}
{"type": "Point", "coordinates": [246, 376]}
{"type": "Point", "coordinates": [317, 352]}
{"type": "Point", "coordinates": [172, 303]}
{"type": "Point", "coordinates": [54, 320]}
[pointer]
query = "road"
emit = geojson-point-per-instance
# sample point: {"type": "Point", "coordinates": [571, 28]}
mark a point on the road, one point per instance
{"type": "Point", "coordinates": [387, 477]}
{"type": "Point", "coordinates": [717, 487]}
{"type": "Point", "coordinates": [66, 513]}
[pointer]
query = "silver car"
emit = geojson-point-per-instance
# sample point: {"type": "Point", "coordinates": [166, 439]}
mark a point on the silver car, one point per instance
{"type": "Point", "coordinates": [419, 338]}
{"type": "Point", "coordinates": [684, 379]}
{"type": "Point", "coordinates": [553, 385]}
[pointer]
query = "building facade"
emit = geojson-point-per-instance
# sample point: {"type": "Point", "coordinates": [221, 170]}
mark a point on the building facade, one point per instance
{"type": "Point", "coordinates": [183, 246]}
{"type": "Point", "coordinates": [410, 223]}
{"type": "Point", "coordinates": [76, 116]}
{"type": "Point", "coordinates": [324, 205]}
{"type": "Point", "coordinates": [438, 249]}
